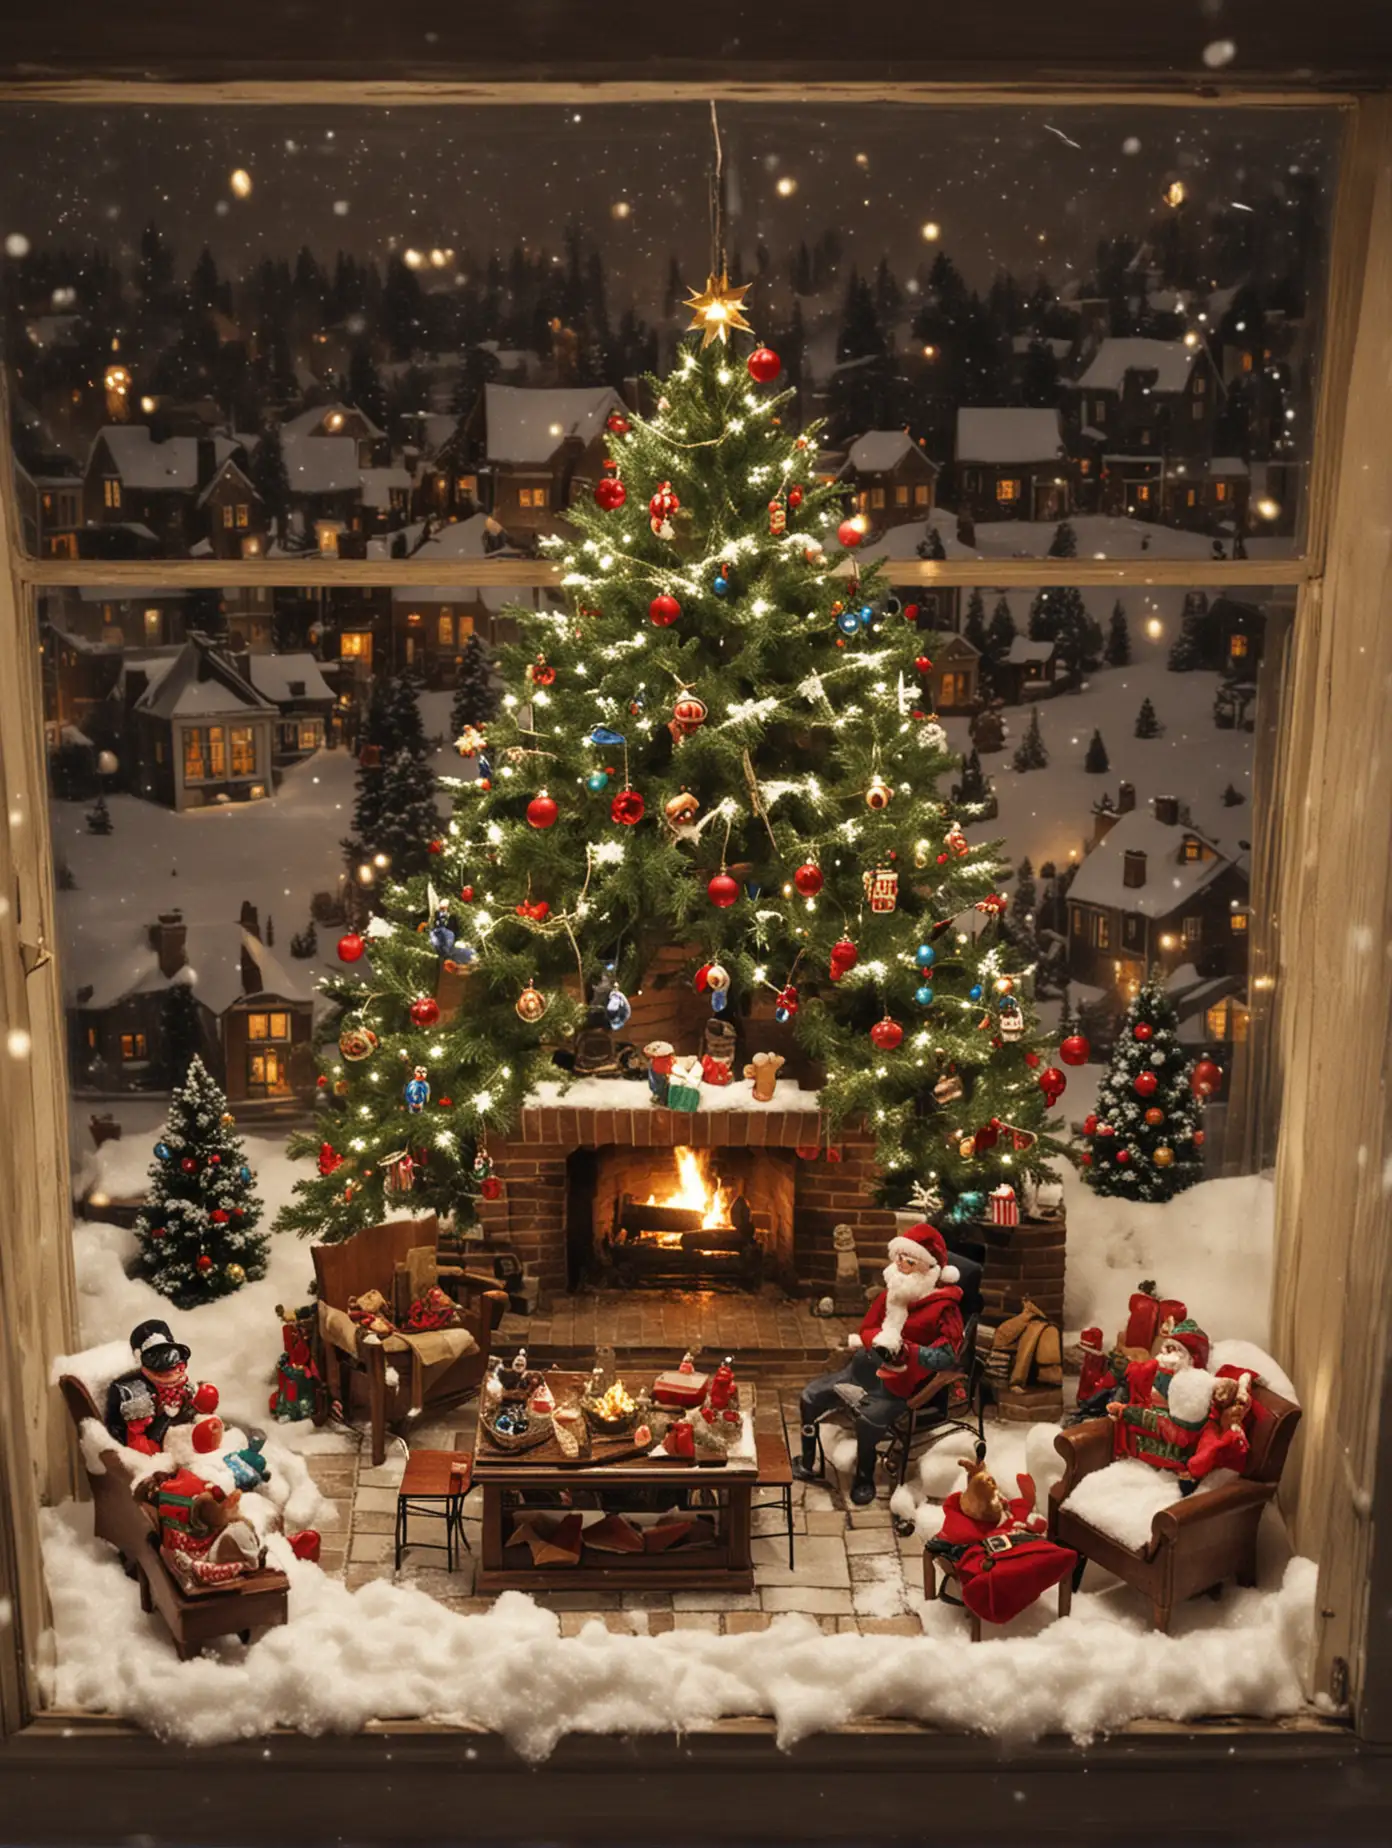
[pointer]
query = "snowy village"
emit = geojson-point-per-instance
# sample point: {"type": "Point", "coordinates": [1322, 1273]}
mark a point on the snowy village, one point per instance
{"type": "Point", "coordinates": [664, 937]}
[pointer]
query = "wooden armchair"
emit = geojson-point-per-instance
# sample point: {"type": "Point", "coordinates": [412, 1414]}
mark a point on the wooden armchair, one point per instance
{"type": "Point", "coordinates": [1195, 1543]}
{"type": "Point", "coordinates": [398, 1259]}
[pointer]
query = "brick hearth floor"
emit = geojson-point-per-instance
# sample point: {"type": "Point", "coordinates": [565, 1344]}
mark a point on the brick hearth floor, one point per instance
{"type": "Point", "coordinates": [852, 1572]}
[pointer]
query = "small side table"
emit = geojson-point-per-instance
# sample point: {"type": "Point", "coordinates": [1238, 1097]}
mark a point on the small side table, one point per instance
{"type": "Point", "coordinates": [776, 1474]}
{"type": "Point", "coordinates": [433, 1488]}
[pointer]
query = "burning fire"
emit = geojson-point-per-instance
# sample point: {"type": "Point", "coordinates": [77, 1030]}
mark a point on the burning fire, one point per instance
{"type": "Point", "coordinates": [696, 1192]}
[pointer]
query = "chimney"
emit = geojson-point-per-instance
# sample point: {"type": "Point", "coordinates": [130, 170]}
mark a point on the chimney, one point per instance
{"type": "Point", "coordinates": [249, 919]}
{"type": "Point", "coordinates": [207, 461]}
{"type": "Point", "coordinates": [168, 939]}
{"type": "Point", "coordinates": [251, 970]}
{"type": "Point", "coordinates": [1167, 810]}
{"type": "Point", "coordinates": [1126, 798]}
{"type": "Point", "coordinates": [1104, 819]}
{"type": "Point", "coordinates": [1133, 867]}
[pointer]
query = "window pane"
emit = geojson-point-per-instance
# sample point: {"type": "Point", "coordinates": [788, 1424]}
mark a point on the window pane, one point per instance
{"type": "Point", "coordinates": [1032, 303]}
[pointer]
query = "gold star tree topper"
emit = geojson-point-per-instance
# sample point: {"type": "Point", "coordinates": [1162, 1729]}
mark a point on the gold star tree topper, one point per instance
{"type": "Point", "coordinates": [717, 309]}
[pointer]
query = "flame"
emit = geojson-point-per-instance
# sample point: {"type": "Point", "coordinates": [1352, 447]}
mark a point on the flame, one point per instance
{"type": "Point", "coordinates": [696, 1192]}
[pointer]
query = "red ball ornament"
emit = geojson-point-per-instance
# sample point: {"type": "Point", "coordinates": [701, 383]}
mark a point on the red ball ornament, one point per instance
{"type": "Point", "coordinates": [1090, 1124]}
{"type": "Point", "coordinates": [1032, 1060]}
{"type": "Point", "coordinates": [616, 424]}
{"type": "Point", "coordinates": [1086, 1159]}
{"type": "Point", "coordinates": [1205, 1078]}
{"type": "Point", "coordinates": [794, 499]}
{"type": "Point", "coordinates": [329, 1158]}
{"type": "Point", "coordinates": [763, 365]}
{"type": "Point", "coordinates": [1123, 1154]}
{"type": "Point", "coordinates": [467, 894]}
{"type": "Point", "coordinates": [1199, 1138]}
{"type": "Point", "coordinates": [886, 1034]}
{"type": "Point", "coordinates": [1145, 1084]}
{"type": "Point", "coordinates": [188, 1165]}
{"type": "Point", "coordinates": [350, 947]}
{"type": "Point", "coordinates": [218, 1216]}
{"type": "Point", "coordinates": [849, 535]}
{"type": "Point", "coordinates": [922, 665]}
{"type": "Point", "coordinates": [542, 811]}
{"type": "Point", "coordinates": [1052, 1083]}
{"type": "Point", "coordinates": [1154, 1117]}
{"type": "Point", "coordinates": [426, 1011]}
{"type": "Point", "coordinates": [910, 612]}
{"type": "Point", "coordinates": [664, 610]}
{"type": "Point", "coordinates": [808, 879]}
{"type": "Point", "coordinates": [437, 846]}
{"type": "Point", "coordinates": [1143, 1031]}
{"type": "Point", "coordinates": [610, 493]}
{"type": "Point", "coordinates": [1105, 1129]}
{"type": "Point", "coordinates": [321, 1081]}
{"type": "Point", "coordinates": [627, 808]}
{"type": "Point", "coordinates": [723, 891]}
{"type": "Point", "coordinates": [491, 1188]}
{"type": "Point", "coordinates": [158, 1231]}
{"type": "Point", "coordinates": [844, 956]}
{"type": "Point", "coordinates": [215, 1161]}
{"type": "Point", "coordinates": [1074, 1050]}
{"type": "Point", "coordinates": [203, 1262]}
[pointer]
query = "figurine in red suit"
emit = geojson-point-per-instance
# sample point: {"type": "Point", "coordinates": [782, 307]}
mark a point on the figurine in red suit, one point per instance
{"type": "Point", "coordinates": [913, 1329]}
{"type": "Point", "coordinates": [1001, 1555]}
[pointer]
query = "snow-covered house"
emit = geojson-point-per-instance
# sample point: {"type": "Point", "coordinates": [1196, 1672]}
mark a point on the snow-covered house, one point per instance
{"type": "Point", "coordinates": [432, 622]}
{"type": "Point", "coordinates": [338, 423]}
{"type": "Point", "coordinates": [303, 699]}
{"type": "Point", "coordinates": [1140, 408]}
{"type": "Point", "coordinates": [537, 451]}
{"type": "Point", "coordinates": [251, 1020]}
{"type": "Point", "coordinates": [133, 479]}
{"type": "Point", "coordinates": [197, 731]}
{"type": "Point", "coordinates": [324, 473]}
{"type": "Point", "coordinates": [954, 677]}
{"type": "Point", "coordinates": [229, 513]}
{"type": "Point", "coordinates": [1029, 671]}
{"type": "Point", "coordinates": [1154, 889]}
{"type": "Point", "coordinates": [1012, 464]}
{"type": "Point", "coordinates": [890, 478]}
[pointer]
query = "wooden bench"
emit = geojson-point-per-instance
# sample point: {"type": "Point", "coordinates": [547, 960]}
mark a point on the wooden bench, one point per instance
{"type": "Point", "coordinates": [192, 1618]}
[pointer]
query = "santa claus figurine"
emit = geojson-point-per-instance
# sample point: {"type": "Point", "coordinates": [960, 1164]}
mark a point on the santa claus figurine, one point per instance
{"type": "Point", "coordinates": [141, 1405]}
{"type": "Point", "coordinates": [1160, 1412]}
{"type": "Point", "coordinates": [913, 1329]}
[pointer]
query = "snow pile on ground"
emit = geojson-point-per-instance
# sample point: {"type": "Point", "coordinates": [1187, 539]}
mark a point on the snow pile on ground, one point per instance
{"type": "Point", "coordinates": [391, 1652]}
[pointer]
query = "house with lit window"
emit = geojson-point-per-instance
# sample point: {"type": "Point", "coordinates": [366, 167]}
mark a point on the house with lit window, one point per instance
{"type": "Point", "coordinates": [251, 1022]}
{"type": "Point", "coordinates": [340, 423]}
{"type": "Point", "coordinates": [1011, 463]}
{"type": "Point", "coordinates": [139, 479]}
{"type": "Point", "coordinates": [1143, 413]}
{"type": "Point", "coordinates": [50, 511]}
{"type": "Point", "coordinates": [1153, 889]}
{"type": "Point", "coordinates": [432, 623]}
{"type": "Point", "coordinates": [891, 480]}
{"type": "Point", "coordinates": [303, 699]}
{"type": "Point", "coordinates": [536, 451]}
{"type": "Point", "coordinates": [197, 732]}
{"type": "Point", "coordinates": [231, 515]}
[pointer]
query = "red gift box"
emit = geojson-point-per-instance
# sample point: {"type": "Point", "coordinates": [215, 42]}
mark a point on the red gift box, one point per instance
{"type": "Point", "coordinates": [1005, 1208]}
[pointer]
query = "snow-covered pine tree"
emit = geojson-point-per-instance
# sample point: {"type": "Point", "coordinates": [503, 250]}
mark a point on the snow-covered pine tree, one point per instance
{"type": "Point", "coordinates": [197, 1231]}
{"type": "Point", "coordinates": [1118, 651]}
{"type": "Point", "coordinates": [930, 546]}
{"type": "Point", "coordinates": [1193, 646]}
{"type": "Point", "coordinates": [1032, 754]}
{"type": "Point", "coordinates": [1002, 630]}
{"type": "Point", "coordinates": [1096, 763]}
{"type": "Point", "coordinates": [475, 700]}
{"type": "Point", "coordinates": [99, 817]}
{"type": "Point", "coordinates": [305, 943]}
{"type": "Point", "coordinates": [393, 724]}
{"type": "Point", "coordinates": [407, 820]}
{"type": "Point", "coordinates": [1232, 797]}
{"type": "Point", "coordinates": [1147, 724]}
{"type": "Point", "coordinates": [974, 624]}
{"type": "Point", "coordinates": [1145, 1141]}
{"type": "Point", "coordinates": [1064, 543]}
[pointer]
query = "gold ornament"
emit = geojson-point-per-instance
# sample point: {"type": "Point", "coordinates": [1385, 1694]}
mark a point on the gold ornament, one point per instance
{"type": "Point", "coordinates": [717, 309]}
{"type": "Point", "coordinates": [966, 1148]}
{"type": "Point", "coordinates": [227, 1119]}
{"type": "Point", "coordinates": [881, 889]}
{"type": "Point", "coordinates": [878, 795]}
{"type": "Point", "coordinates": [1163, 1156]}
{"type": "Point", "coordinates": [235, 1275]}
{"type": "Point", "coordinates": [531, 1005]}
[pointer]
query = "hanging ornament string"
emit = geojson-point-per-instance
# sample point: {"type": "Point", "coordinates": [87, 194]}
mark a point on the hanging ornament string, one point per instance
{"type": "Point", "coordinates": [717, 196]}
{"type": "Point", "coordinates": [756, 804]}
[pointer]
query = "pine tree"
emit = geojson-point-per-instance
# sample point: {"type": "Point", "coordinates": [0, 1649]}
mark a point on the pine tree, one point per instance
{"type": "Point", "coordinates": [1096, 763]}
{"type": "Point", "coordinates": [475, 700]}
{"type": "Point", "coordinates": [1148, 1132]}
{"type": "Point", "coordinates": [974, 627]}
{"type": "Point", "coordinates": [393, 725]}
{"type": "Point", "coordinates": [664, 783]}
{"type": "Point", "coordinates": [1002, 631]}
{"type": "Point", "coordinates": [406, 817]}
{"type": "Point", "coordinates": [181, 1027]}
{"type": "Point", "coordinates": [974, 786]}
{"type": "Point", "coordinates": [1194, 645]}
{"type": "Point", "coordinates": [305, 943]}
{"type": "Point", "coordinates": [930, 546]}
{"type": "Point", "coordinates": [1118, 652]}
{"type": "Point", "coordinates": [1032, 754]}
{"type": "Point", "coordinates": [197, 1230]}
{"type": "Point", "coordinates": [1023, 903]}
{"type": "Point", "coordinates": [1064, 543]}
{"type": "Point", "coordinates": [1232, 798]}
{"type": "Point", "coordinates": [1147, 725]}
{"type": "Point", "coordinates": [270, 477]}
{"type": "Point", "coordinates": [99, 817]}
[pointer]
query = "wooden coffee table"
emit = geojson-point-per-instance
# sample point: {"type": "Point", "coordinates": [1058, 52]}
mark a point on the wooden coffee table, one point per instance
{"type": "Point", "coordinates": [538, 1479]}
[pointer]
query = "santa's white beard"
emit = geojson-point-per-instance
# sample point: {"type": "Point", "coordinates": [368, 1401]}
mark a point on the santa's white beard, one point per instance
{"type": "Point", "coordinates": [903, 1289]}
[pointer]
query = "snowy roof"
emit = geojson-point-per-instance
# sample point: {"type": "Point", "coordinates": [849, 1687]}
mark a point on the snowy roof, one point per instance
{"type": "Point", "coordinates": [528, 426]}
{"type": "Point", "coordinates": [1169, 880]}
{"type": "Point", "coordinates": [1021, 343]}
{"type": "Point", "coordinates": [1169, 360]}
{"type": "Point", "coordinates": [318, 421]}
{"type": "Point", "coordinates": [199, 683]}
{"type": "Point", "coordinates": [1167, 301]}
{"type": "Point", "coordinates": [212, 968]}
{"type": "Point", "coordinates": [903, 541]}
{"type": "Point", "coordinates": [377, 484]}
{"type": "Point", "coordinates": [466, 539]}
{"type": "Point", "coordinates": [228, 467]}
{"type": "Point", "coordinates": [1023, 652]}
{"type": "Point", "coordinates": [1009, 435]}
{"type": "Point", "coordinates": [170, 467]}
{"type": "Point", "coordinates": [322, 464]}
{"type": "Point", "coordinates": [287, 676]}
{"type": "Point", "coordinates": [1228, 465]}
{"type": "Point", "coordinates": [878, 451]}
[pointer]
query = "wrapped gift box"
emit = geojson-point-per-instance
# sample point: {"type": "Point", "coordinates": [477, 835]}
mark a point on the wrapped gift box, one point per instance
{"type": "Point", "coordinates": [1005, 1208]}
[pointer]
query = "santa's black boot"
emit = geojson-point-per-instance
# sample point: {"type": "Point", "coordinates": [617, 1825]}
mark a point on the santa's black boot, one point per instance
{"type": "Point", "coordinates": [863, 1487]}
{"type": "Point", "coordinates": [805, 1467]}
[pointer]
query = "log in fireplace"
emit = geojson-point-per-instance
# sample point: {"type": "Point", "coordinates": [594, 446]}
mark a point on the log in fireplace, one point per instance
{"type": "Point", "coordinates": [690, 1219]}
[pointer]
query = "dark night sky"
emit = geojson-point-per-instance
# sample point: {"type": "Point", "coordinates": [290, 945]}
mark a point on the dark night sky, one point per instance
{"type": "Point", "coordinates": [1010, 188]}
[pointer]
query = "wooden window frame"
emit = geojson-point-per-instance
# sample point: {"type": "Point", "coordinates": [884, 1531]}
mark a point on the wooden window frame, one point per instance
{"type": "Point", "coordinates": [1338, 1493]}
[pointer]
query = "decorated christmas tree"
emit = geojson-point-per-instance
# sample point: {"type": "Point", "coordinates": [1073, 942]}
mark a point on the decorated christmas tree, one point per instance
{"type": "Point", "coordinates": [719, 745]}
{"type": "Point", "coordinates": [197, 1231]}
{"type": "Point", "coordinates": [1146, 1139]}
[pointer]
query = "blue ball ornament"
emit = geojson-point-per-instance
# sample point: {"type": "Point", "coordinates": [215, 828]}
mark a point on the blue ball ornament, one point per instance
{"type": "Point", "coordinates": [617, 1010]}
{"type": "Point", "coordinates": [163, 1151]}
{"type": "Point", "coordinates": [974, 993]}
{"type": "Point", "coordinates": [719, 1000]}
{"type": "Point", "coordinates": [924, 996]}
{"type": "Point", "coordinates": [867, 616]}
{"type": "Point", "coordinates": [244, 1174]}
{"type": "Point", "coordinates": [596, 781]}
{"type": "Point", "coordinates": [925, 955]}
{"type": "Point", "coordinates": [848, 622]}
{"type": "Point", "coordinates": [721, 587]}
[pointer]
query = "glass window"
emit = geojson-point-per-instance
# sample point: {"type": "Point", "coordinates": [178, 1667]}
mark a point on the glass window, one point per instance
{"type": "Point", "coordinates": [445, 636]}
{"type": "Point", "coordinates": [243, 751]}
{"type": "Point", "coordinates": [1193, 930]}
{"type": "Point", "coordinates": [1237, 923]}
{"type": "Point", "coordinates": [133, 1046]}
{"type": "Point", "coordinates": [920, 494]}
{"type": "Point", "coordinates": [195, 755]}
{"type": "Point", "coordinates": [311, 734]}
{"type": "Point", "coordinates": [877, 497]}
{"type": "Point", "coordinates": [227, 514]}
{"type": "Point", "coordinates": [1007, 490]}
{"type": "Point", "coordinates": [274, 1026]}
{"type": "Point", "coordinates": [111, 492]}
{"type": "Point", "coordinates": [355, 645]}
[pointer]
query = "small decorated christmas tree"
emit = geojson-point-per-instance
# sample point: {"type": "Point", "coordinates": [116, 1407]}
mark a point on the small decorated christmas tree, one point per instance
{"type": "Point", "coordinates": [1147, 724]}
{"type": "Point", "coordinates": [197, 1231]}
{"type": "Point", "coordinates": [1032, 753]}
{"type": "Point", "coordinates": [1146, 1138]}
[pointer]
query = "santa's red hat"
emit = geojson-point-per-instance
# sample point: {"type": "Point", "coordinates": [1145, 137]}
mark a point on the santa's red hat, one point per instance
{"type": "Point", "coordinates": [1189, 1335]}
{"type": "Point", "coordinates": [925, 1244]}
